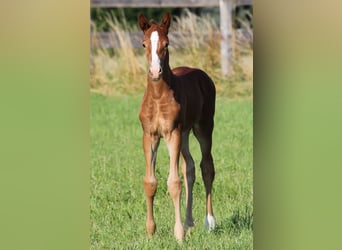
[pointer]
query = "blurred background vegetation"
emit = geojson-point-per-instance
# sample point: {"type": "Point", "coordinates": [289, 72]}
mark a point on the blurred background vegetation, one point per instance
{"type": "Point", "coordinates": [99, 15]}
{"type": "Point", "coordinates": [119, 67]}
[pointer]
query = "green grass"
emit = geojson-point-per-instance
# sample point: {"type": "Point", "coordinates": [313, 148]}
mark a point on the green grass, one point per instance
{"type": "Point", "coordinates": [117, 201]}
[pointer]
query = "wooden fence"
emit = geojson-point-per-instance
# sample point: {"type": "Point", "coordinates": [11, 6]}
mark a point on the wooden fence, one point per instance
{"type": "Point", "coordinates": [108, 40]}
{"type": "Point", "coordinates": [226, 27]}
{"type": "Point", "coordinates": [161, 3]}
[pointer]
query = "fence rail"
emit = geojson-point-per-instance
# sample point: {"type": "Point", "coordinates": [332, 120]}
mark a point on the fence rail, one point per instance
{"type": "Point", "coordinates": [160, 3]}
{"type": "Point", "coordinates": [111, 40]}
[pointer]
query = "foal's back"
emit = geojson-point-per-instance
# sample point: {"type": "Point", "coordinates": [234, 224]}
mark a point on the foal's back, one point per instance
{"type": "Point", "coordinates": [195, 90]}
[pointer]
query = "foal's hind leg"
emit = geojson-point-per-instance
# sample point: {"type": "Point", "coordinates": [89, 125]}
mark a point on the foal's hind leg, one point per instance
{"type": "Point", "coordinates": [188, 171]}
{"type": "Point", "coordinates": [203, 132]}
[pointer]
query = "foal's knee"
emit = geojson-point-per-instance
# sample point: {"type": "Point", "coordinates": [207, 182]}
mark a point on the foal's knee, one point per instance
{"type": "Point", "coordinates": [150, 186]}
{"type": "Point", "coordinates": [174, 187]}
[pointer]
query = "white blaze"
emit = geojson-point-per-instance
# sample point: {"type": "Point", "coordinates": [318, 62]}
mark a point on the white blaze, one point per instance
{"type": "Point", "coordinates": [155, 64]}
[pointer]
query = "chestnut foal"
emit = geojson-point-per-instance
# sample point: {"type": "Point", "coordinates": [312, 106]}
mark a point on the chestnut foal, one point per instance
{"type": "Point", "coordinates": [175, 102]}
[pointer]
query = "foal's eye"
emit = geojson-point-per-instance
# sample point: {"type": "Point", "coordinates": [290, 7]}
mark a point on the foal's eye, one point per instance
{"type": "Point", "coordinates": [143, 45]}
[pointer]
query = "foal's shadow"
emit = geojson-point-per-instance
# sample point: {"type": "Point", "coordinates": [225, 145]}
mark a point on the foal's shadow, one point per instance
{"type": "Point", "coordinates": [241, 219]}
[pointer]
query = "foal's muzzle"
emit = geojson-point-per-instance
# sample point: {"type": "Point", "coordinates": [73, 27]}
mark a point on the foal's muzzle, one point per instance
{"type": "Point", "coordinates": [155, 73]}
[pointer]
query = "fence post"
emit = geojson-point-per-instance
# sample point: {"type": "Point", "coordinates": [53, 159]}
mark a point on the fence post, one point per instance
{"type": "Point", "coordinates": [226, 11]}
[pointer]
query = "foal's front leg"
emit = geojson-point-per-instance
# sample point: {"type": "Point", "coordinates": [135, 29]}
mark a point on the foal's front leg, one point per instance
{"type": "Point", "coordinates": [173, 140]}
{"type": "Point", "coordinates": [150, 144]}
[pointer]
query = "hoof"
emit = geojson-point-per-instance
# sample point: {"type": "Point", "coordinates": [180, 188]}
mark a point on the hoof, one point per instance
{"type": "Point", "coordinates": [189, 231]}
{"type": "Point", "coordinates": [179, 232]}
{"type": "Point", "coordinates": [150, 229]}
{"type": "Point", "coordinates": [188, 225]}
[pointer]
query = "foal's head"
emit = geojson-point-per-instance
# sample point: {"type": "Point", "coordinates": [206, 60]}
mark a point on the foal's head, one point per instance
{"type": "Point", "coordinates": [155, 43]}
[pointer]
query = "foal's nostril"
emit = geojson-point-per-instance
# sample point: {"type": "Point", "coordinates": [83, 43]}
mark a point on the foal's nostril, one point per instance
{"type": "Point", "coordinates": [160, 70]}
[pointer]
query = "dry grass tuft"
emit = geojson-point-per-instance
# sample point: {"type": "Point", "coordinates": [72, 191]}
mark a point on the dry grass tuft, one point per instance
{"type": "Point", "coordinates": [119, 70]}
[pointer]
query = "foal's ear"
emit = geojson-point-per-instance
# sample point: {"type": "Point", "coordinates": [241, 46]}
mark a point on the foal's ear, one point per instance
{"type": "Point", "coordinates": [143, 22]}
{"type": "Point", "coordinates": [166, 21]}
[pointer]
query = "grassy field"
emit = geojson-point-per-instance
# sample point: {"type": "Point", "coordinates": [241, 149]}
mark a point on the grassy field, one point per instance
{"type": "Point", "coordinates": [117, 198]}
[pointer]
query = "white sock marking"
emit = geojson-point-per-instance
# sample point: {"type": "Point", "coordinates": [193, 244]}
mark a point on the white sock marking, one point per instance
{"type": "Point", "coordinates": [210, 222]}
